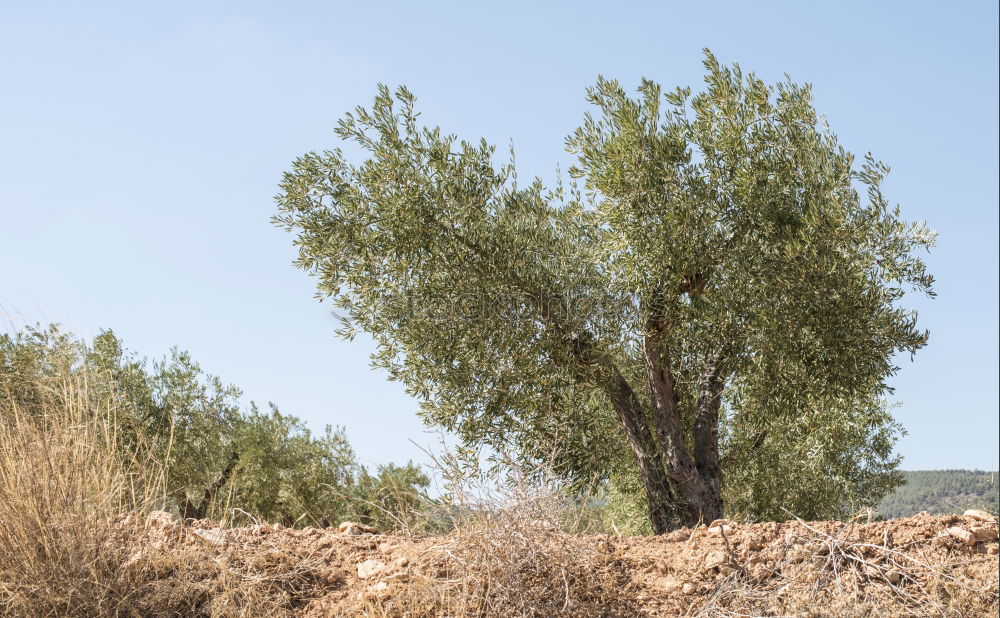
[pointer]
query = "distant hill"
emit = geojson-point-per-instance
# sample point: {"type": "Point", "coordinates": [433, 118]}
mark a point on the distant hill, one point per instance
{"type": "Point", "coordinates": [942, 492]}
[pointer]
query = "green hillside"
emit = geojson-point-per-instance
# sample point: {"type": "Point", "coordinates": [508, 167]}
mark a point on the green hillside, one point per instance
{"type": "Point", "coordinates": [942, 492]}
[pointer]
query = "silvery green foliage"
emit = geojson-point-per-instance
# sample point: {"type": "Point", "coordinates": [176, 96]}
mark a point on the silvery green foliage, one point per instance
{"type": "Point", "coordinates": [185, 426]}
{"type": "Point", "coordinates": [830, 461]}
{"type": "Point", "coordinates": [721, 247]}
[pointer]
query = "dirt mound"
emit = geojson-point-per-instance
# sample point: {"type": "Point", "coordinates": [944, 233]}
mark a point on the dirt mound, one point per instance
{"type": "Point", "coordinates": [917, 566]}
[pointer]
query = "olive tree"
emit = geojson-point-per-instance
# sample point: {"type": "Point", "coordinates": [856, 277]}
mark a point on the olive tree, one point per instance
{"type": "Point", "coordinates": [721, 258]}
{"type": "Point", "coordinates": [188, 429]}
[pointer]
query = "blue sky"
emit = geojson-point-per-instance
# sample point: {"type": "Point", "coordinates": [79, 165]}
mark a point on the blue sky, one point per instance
{"type": "Point", "coordinates": [141, 145]}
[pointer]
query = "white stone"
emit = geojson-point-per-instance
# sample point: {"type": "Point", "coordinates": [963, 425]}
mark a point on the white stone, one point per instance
{"type": "Point", "coordinates": [980, 515]}
{"type": "Point", "coordinates": [351, 528]}
{"type": "Point", "coordinates": [962, 535]}
{"type": "Point", "coordinates": [715, 559]}
{"type": "Point", "coordinates": [160, 519]}
{"type": "Point", "coordinates": [720, 529]}
{"type": "Point", "coordinates": [213, 536]}
{"type": "Point", "coordinates": [370, 568]}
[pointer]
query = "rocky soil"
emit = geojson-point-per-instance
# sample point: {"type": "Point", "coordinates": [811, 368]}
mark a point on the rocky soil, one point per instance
{"type": "Point", "coordinates": [918, 566]}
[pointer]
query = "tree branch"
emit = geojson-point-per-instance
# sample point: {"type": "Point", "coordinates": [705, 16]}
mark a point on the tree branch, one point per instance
{"type": "Point", "coordinates": [589, 366]}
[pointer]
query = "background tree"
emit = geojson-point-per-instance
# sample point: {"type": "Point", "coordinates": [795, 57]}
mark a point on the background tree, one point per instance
{"type": "Point", "coordinates": [720, 269]}
{"type": "Point", "coordinates": [392, 498]}
{"type": "Point", "coordinates": [218, 459]}
{"type": "Point", "coordinates": [286, 474]}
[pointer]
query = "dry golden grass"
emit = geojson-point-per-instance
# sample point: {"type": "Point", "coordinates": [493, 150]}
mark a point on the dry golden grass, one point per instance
{"type": "Point", "coordinates": [63, 480]}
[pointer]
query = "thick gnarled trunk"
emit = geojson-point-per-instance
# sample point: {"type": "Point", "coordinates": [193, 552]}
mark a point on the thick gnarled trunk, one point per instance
{"type": "Point", "coordinates": [696, 480]}
{"type": "Point", "coordinates": [675, 481]}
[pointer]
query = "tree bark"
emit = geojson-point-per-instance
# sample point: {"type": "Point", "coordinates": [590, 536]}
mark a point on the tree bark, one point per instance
{"type": "Point", "coordinates": [706, 434]}
{"type": "Point", "coordinates": [649, 461]}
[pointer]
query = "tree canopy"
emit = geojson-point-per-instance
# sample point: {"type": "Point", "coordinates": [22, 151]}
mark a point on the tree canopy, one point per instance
{"type": "Point", "coordinates": [721, 271]}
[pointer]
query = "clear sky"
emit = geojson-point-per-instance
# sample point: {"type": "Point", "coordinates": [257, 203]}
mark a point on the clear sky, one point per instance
{"type": "Point", "coordinates": [141, 144]}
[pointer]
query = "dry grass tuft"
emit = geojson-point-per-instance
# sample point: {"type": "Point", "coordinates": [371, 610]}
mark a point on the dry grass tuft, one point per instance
{"type": "Point", "coordinates": [65, 483]}
{"type": "Point", "coordinates": [512, 572]}
{"type": "Point", "coordinates": [508, 556]}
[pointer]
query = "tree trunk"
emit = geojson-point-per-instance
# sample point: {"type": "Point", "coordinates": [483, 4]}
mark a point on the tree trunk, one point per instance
{"type": "Point", "coordinates": [701, 498]}
{"type": "Point", "coordinates": [706, 434]}
{"type": "Point", "coordinates": [190, 511]}
{"type": "Point", "coordinates": [669, 474]}
{"type": "Point", "coordinates": [647, 456]}
{"type": "Point", "coordinates": [659, 498]}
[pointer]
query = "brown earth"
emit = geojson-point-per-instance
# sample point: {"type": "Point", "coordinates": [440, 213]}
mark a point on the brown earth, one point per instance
{"type": "Point", "coordinates": [918, 566]}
